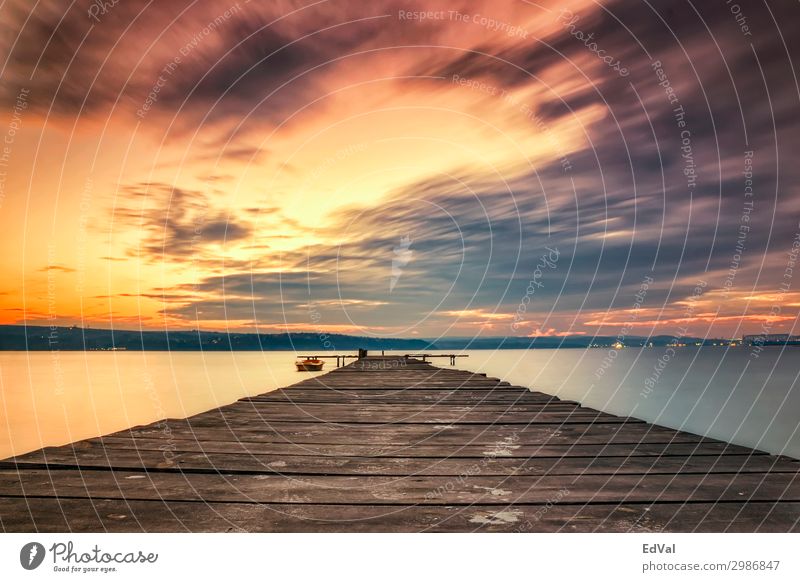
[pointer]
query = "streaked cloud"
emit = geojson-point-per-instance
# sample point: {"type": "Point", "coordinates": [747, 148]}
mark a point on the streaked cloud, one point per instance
{"type": "Point", "coordinates": [289, 148]}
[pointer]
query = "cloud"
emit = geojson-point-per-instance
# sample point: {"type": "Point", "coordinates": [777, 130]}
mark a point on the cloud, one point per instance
{"type": "Point", "coordinates": [59, 268]}
{"type": "Point", "coordinates": [174, 222]}
{"type": "Point", "coordinates": [544, 146]}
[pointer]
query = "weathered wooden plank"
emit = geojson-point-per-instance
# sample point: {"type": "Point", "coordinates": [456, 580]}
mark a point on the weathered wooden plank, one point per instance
{"type": "Point", "coordinates": [300, 432]}
{"type": "Point", "coordinates": [420, 392]}
{"type": "Point", "coordinates": [488, 465]}
{"type": "Point", "coordinates": [411, 397]}
{"type": "Point", "coordinates": [503, 447]}
{"type": "Point", "coordinates": [480, 489]}
{"type": "Point", "coordinates": [399, 415]}
{"type": "Point", "coordinates": [359, 378]}
{"type": "Point", "coordinates": [111, 515]}
{"type": "Point", "coordinates": [407, 397]}
{"type": "Point", "coordinates": [398, 384]}
{"type": "Point", "coordinates": [409, 408]}
{"type": "Point", "coordinates": [408, 387]}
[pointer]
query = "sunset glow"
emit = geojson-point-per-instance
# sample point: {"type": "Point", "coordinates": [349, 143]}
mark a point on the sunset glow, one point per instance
{"type": "Point", "coordinates": [397, 168]}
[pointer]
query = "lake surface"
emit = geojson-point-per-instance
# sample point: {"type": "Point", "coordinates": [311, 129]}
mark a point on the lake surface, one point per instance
{"type": "Point", "coordinates": [60, 397]}
{"type": "Point", "coordinates": [55, 398]}
{"type": "Point", "coordinates": [719, 392]}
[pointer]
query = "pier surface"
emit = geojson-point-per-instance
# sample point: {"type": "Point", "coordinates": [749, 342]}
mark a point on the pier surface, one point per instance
{"type": "Point", "coordinates": [395, 444]}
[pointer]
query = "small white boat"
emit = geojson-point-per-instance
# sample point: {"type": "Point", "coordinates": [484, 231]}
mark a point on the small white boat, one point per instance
{"type": "Point", "coordinates": [309, 365]}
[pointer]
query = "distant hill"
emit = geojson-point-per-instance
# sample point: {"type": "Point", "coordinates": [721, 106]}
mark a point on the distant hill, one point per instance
{"type": "Point", "coordinates": [567, 341]}
{"type": "Point", "coordinates": [38, 338]}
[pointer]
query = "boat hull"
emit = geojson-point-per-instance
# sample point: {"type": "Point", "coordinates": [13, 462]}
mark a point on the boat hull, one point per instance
{"type": "Point", "coordinates": [309, 366]}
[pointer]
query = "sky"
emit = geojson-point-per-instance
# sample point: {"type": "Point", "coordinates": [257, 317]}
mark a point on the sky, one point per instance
{"type": "Point", "coordinates": [404, 169]}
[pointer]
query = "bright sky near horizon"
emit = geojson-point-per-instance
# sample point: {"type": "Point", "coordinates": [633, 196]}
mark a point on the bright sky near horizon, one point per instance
{"type": "Point", "coordinates": [400, 168]}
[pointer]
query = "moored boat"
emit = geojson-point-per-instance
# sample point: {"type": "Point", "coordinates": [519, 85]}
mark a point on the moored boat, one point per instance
{"type": "Point", "coordinates": [309, 365]}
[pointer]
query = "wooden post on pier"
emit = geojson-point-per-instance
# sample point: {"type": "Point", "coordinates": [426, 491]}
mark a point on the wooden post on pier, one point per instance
{"type": "Point", "coordinates": [395, 444]}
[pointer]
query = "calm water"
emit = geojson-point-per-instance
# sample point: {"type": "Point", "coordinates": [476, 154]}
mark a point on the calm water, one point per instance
{"type": "Point", "coordinates": [55, 398]}
{"type": "Point", "coordinates": [51, 399]}
{"type": "Point", "coordinates": [719, 392]}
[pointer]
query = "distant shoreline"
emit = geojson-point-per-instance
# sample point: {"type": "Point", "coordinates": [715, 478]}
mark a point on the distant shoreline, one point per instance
{"type": "Point", "coordinates": [77, 339]}
{"type": "Point", "coordinates": [312, 351]}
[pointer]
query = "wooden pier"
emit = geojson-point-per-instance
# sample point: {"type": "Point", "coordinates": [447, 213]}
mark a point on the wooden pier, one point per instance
{"type": "Point", "coordinates": [395, 444]}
